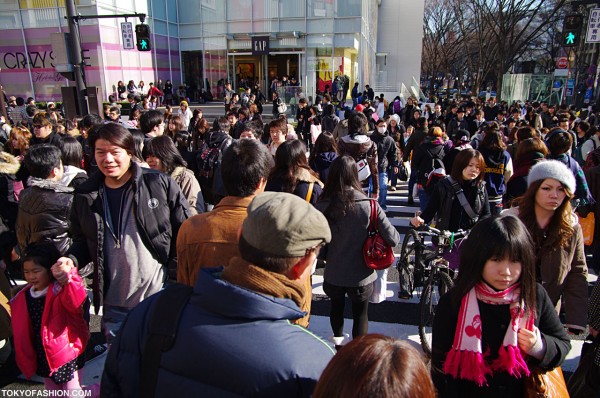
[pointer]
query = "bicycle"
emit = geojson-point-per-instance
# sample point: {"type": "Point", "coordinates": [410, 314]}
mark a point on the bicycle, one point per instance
{"type": "Point", "coordinates": [423, 264]}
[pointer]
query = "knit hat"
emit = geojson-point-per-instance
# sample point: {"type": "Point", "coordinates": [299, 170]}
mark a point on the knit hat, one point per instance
{"type": "Point", "coordinates": [462, 135]}
{"type": "Point", "coordinates": [396, 118]}
{"type": "Point", "coordinates": [359, 108]}
{"type": "Point", "coordinates": [183, 103]}
{"type": "Point", "coordinates": [552, 169]}
{"type": "Point", "coordinates": [284, 225]}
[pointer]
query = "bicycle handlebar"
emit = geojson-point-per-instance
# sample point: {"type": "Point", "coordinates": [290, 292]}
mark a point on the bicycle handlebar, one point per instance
{"type": "Point", "coordinates": [431, 231]}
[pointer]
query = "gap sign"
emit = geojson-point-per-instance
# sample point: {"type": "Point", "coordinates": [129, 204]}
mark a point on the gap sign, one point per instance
{"type": "Point", "coordinates": [260, 45]}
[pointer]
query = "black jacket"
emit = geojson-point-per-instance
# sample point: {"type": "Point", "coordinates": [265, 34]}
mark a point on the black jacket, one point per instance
{"type": "Point", "coordinates": [386, 151]}
{"type": "Point", "coordinates": [52, 139]}
{"type": "Point", "coordinates": [494, 319]}
{"type": "Point", "coordinates": [158, 224]}
{"type": "Point", "coordinates": [449, 213]}
{"type": "Point", "coordinates": [44, 210]}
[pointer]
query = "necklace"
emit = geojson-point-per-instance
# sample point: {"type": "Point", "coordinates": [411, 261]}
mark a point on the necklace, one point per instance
{"type": "Point", "coordinates": [118, 234]}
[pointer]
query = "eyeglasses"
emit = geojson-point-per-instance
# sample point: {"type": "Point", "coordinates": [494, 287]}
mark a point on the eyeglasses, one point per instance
{"type": "Point", "coordinates": [38, 126]}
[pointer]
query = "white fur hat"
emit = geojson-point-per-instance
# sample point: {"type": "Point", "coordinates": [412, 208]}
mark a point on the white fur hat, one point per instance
{"type": "Point", "coordinates": [552, 169]}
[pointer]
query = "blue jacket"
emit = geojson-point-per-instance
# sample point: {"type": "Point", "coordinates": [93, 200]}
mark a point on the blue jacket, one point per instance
{"type": "Point", "coordinates": [231, 342]}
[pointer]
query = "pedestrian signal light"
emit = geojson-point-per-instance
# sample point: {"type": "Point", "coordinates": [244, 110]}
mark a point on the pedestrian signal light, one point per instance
{"type": "Point", "coordinates": [142, 36]}
{"type": "Point", "coordinates": [571, 30]}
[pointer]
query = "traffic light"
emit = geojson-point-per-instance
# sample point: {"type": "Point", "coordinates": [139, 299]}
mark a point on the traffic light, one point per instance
{"type": "Point", "coordinates": [142, 37]}
{"type": "Point", "coordinates": [571, 30]}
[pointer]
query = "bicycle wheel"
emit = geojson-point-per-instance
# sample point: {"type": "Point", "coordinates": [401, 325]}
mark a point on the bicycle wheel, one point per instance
{"type": "Point", "coordinates": [409, 256]}
{"type": "Point", "coordinates": [438, 283]}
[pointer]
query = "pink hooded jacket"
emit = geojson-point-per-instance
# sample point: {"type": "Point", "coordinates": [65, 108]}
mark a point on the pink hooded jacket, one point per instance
{"type": "Point", "coordinates": [65, 332]}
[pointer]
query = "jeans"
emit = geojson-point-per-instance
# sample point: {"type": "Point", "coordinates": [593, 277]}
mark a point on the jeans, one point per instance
{"type": "Point", "coordinates": [112, 321]}
{"type": "Point", "coordinates": [411, 182]}
{"type": "Point", "coordinates": [383, 180]}
{"type": "Point", "coordinates": [495, 207]}
{"type": "Point", "coordinates": [423, 198]}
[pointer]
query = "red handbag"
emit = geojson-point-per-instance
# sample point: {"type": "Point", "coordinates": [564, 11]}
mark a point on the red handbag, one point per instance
{"type": "Point", "coordinates": [378, 254]}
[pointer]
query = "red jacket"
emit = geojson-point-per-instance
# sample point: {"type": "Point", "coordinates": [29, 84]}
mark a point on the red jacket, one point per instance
{"type": "Point", "coordinates": [154, 91]}
{"type": "Point", "coordinates": [65, 332]}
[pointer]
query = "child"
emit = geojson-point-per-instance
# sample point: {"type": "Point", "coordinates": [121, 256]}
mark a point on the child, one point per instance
{"type": "Point", "coordinates": [50, 332]}
{"type": "Point", "coordinates": [496, 315]}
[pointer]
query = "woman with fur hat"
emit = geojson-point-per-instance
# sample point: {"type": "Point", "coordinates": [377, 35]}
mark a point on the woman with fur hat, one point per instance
{"type": "Point", "coordinates": [546, 211]}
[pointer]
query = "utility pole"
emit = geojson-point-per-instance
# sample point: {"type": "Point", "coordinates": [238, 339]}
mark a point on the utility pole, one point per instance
{"type": "Point", "coordinates": [76, 58]}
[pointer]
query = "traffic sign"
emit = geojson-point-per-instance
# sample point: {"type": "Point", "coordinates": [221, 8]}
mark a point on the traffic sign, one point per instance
{"type": "Point", "coordinates": [571, 30]}
{"type": "Point", "coordinates": [562, 63]}
{"type": "Point", "coordinates": [593, 30]}
{"type": "Point", "coordinates": [127, 34]}
{"type": "Point", "coordinates": [142, 36]}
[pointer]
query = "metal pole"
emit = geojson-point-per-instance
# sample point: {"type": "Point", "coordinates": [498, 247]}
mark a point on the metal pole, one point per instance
{"type": "Point", "coordinates": [76, 58]}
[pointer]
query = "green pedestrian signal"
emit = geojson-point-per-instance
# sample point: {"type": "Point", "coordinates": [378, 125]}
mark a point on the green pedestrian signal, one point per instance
{"type": "Point", "coordinates": [142, 36]}
{"type": "Point", "coordinates": [571, 30]}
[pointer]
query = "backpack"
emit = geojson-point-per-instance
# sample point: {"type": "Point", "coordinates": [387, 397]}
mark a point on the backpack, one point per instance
{"type": "Point", "coordinates": [430, 176]}
{"type": "Point", "coordinates": [592, 160]}
{"type": "Point", "coordinates": [397, 107]}
{"type": "Point", "coordinates": [578, 154]}
{"type": "Point", "coordinates": [209, 158]}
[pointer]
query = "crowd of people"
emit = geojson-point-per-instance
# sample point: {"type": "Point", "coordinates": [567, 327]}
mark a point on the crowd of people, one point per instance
{"type": "Point", "coordinates": [240, 211]}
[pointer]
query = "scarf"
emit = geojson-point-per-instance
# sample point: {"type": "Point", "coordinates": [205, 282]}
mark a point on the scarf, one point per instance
{"type": "Point", "coordinates": [241, 273]}
{"type": "Point", "coordinates": [466, 360]}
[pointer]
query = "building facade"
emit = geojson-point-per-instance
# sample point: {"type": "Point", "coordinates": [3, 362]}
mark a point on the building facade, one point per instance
{"type": "Point", "coordinates": [203, 43]}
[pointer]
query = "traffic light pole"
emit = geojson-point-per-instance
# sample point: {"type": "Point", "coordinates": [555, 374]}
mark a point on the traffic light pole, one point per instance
{"type": "Point", "coordinates": [76, 58]}
{"type": "Point", "coordinates": [76, 53]}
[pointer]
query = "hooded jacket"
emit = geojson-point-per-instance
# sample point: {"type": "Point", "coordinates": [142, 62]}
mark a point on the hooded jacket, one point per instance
{"type": "Point", "coordinates": [159, 207]}
{"type": "Point", "coordinates": [44, 211]}
{"type": "Point", "coordinates": [322, 162]}
{"type": "Point", "coordinates": [360, 147]}
{"type": "Point", "coordinates": [231, 342]}
{"type": "Point", "coordinates": [65, 332]}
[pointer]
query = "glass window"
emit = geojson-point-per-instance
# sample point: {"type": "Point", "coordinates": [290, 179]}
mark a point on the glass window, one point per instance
{"type": "Point", "coordinates": [320, 8]}
{"type": "Point", "coordinates": [349, 8]}
{"type": "Point", "coordinates": [172, 11]}
{"type": "Point", "coordinates": [159, 10]}
{"type": "Point", "coordinates": [240, 9]}
{"type": "Point", "coordinates": [291, 8]}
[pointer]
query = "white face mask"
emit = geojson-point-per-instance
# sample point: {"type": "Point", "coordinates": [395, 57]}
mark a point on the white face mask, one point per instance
{"type": "Point", "coordinates": [381, 130]}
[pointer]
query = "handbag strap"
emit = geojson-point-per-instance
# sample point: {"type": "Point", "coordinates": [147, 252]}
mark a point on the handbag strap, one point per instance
{"type": "Point", "coordinates": [310, 191]}
{"type": "Point", "coordinates": [373, 218]}
{"type": "Point", "coordinates": [460, 194]}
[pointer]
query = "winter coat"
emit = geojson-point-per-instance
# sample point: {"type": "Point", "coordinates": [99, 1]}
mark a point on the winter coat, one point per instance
{"type": "Point", "coordinates": [423, 156]}
{"type": "Point", "coordinates": [210, 239]}
{"type": "Point", "coordinates": [329, 122]}
{"type": "Point", "coordinates": [73, 176]}
{"type": "Point", "coordinates": [361, 147]}
{"type": "Point", "coordinates": [52, 139]}
{"type": "Point", "coordinates": [303, 180]}
{"type": "Point", "coordinates": [44, 212]}
{"type": "Point", "coordinates": [498, 170]}
{"type": "Point", "coordinates": [159, 207]}
{"type": "Point", "coordinates": [582, 191]}
{"type": "Point", "coordinates": [9, 166]}
{"type": "Point", "coordinates": [495, 319]}
{"type": "Point", "coordinates": [223, 329]}
{"type": "Point", "coordinates": [341, 130]}
{"type": "Point", "coordinates": [449, 213]}
{"type": "Point", "coordinates": [190, 188]}
{"type": "Point", "coordinates": [386, 150]}
{"type": "Point", "coordinates": [345, 263]}
{"type": "Point", "coordinates": [65, 332]}
{"type": "Point", "coordinates": [563, 272]}
{"type": "Point", "coordinates": [321, 164]}
{"type": "Point", "coordinates": [415, 139]}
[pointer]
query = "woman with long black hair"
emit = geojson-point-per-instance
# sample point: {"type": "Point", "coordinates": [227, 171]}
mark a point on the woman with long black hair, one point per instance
{"type": "Point", "coordinates": [348, 210]}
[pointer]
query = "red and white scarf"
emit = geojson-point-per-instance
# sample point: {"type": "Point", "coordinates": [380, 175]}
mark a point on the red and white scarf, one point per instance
{"type": "Point", "coordinates": [466, 360]}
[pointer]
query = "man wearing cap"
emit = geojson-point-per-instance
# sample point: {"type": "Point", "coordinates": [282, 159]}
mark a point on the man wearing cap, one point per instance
{"type": "Point", "coordinates": [234, 336]}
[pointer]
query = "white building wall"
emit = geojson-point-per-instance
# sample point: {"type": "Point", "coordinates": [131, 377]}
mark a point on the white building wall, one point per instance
{"type": "Point", "coordinates": [400, 35]}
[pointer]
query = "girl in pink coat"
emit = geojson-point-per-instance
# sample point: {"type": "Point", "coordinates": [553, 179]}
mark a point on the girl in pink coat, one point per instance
{"type": "Point", "coordinates": [50, 332]}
